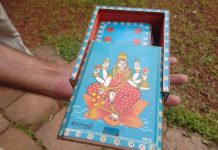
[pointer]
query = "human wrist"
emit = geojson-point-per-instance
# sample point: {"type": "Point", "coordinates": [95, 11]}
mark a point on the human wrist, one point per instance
{"type": "Point", "coordinates": [42, 78]}
{"type": "Point", "coordinates": [60, 86]}
{"type": "Point", "coordinates": [25, 72]}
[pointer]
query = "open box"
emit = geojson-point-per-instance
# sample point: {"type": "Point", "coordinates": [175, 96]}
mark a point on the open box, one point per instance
{"type": "Point", "coordinates": [159, 22]}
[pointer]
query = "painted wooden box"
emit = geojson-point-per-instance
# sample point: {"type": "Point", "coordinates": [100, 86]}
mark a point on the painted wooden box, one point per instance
{"type": "Point", "coordinates": [120, 79]}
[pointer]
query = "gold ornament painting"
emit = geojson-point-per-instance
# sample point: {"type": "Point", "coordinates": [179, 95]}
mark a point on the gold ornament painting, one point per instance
{"type": "Point", "coordinates": [116, 96]}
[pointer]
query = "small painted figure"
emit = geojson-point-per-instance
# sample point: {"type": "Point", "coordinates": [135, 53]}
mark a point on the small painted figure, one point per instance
{"type": "Point", "coordinates": [115, 97]}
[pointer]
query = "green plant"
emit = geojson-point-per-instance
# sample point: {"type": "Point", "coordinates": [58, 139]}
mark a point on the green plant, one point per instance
{"type": "Point", "coordinates": [65, 46]}
{"type": "Point", "coordinates": [193, 121]}
{"type": "Point", "coordinates": [24, 129]}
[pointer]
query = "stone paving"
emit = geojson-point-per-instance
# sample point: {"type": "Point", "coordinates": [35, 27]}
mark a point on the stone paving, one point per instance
{"type": "Point", "coordinates": [41, 116]}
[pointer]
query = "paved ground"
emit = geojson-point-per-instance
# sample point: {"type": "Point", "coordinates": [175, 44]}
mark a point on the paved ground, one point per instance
{"type": "Point", "coordinates": [31, 122]}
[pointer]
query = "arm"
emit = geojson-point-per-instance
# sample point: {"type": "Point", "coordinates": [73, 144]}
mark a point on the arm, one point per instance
{"type": "Point", "coordinates": [135, 76]}
{"type": "Point", "coordinates": [107, 81]}
{"type": "Point", "coordinates": [104, 68]}
{"type": "Point", "coordinates": [104, 72]}
{"type": "Point", "coordinates": [100, 80]}
{"type": "Point", "coordinates": [96, 74]}
{"type": "Point", "coordinates": [25, 72]}
{"type": "Point", "coordinates": [137, 81]}
{"type": "Point", "coordinates": [28, 73]}
{"type": "Point", "coordinates": [137, 68]}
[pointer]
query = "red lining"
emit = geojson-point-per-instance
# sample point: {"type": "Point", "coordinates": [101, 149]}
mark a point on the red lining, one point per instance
{"type": "Point", "coordinates": [155, 19]}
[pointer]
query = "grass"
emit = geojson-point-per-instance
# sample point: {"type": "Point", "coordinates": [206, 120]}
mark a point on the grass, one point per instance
{"type": "Point", "coordinates": [24, 129]}
{"type": "Point", "coordinates": [194, 122]}
{"type": "Point", "coordinates": [65, 46]}
{"type": "Point", "coordinates": [29, 133]}
{"type": "Point", "coordinates": [194, 41]}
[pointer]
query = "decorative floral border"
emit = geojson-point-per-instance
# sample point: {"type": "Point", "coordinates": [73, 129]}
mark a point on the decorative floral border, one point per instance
{"type": "Point", "coordinates": [146, 40]}
{"type": "Point", "coordinates": [109, 139]}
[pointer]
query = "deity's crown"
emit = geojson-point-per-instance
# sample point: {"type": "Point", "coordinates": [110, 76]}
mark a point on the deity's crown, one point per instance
{"type": "Point", "coordinates": [122, 56]}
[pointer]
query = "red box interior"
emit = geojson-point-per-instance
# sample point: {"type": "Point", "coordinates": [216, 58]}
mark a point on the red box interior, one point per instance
{"type": "Point", "coordinates": [155, 19]}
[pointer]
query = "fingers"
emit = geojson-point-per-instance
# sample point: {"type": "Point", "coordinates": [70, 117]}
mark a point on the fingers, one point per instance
{"type": "Point", "coordinates": [175, 79]}
{"type": "Point", "coordinates": [173, 60]}
{"type": "Point", "coordinates": [178, 79]}
{"type": "Point", "coordinates": [172, 100]}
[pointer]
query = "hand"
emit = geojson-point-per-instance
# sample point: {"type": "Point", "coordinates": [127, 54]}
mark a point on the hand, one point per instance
{"type": "Point", "coordinates": [112, 96]}
{"type": "Point", "coordinates": [97, 70]}
{"type": "Point", "coordinates": [114, 117]}
{"type": "Point", "coordinates": [175, 79]}
{"type": "Point", "coordinates": [62, 88]}
{"type": "Point", "coordinates": [144, 76]}
{"type": "Point", "coordinates": [101, 91]}
{"type": "Point", "coordinates": [105, 63]}
{"type": "Point", "coordinates": [137, 65]}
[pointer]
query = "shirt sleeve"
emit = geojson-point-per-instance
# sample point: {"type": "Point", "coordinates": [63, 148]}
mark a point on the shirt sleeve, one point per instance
{"type": "Point", "coordinates": [8, 33]}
